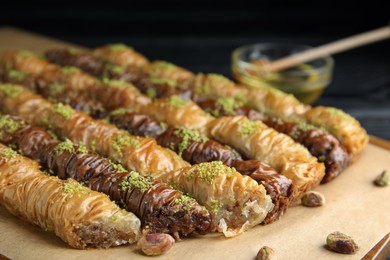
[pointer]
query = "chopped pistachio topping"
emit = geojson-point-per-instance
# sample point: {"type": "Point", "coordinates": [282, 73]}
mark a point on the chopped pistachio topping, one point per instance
{"type": "Point", "coordinates": [66, 145]}
{"type": "Point", "coordinates": [73, 51]}
{"type": "Point", "coordinates": [56, 88]}
{"type": "Point", "coordinates": [121, 111]}
{"type": "Point", "coordinates": [24, 54]}
{"type": "Point", "coordinates": [134, 180]}
{"type": "Point", "coordinates": [17, 75]}
{"type": "Point", "coordinates": [118, 47]}
{"type": "Point", "coordinates": [160, 81]}
{"type": "Point", "coordinates": [248, 127]}
{"type": "Point", "coordinates": [92, 145]}
{"type": "Point", "coordinates": [219, 78]}
{"type": "Point", "coordinates": [7, 124]}
{"type": "Point", "coordinates": [240, 97]}
{"type": "Point", "coordinates": [186, 201]}
{"type": "Point", "coordinates": [82, 148]}
{"type": "Point", "coordinates": [151, 93]}
{"type": "Point", "coordinates": [188, 136]}
{"type": "Point", "coordinates": [210, 170]}
{"type": "Point", "coordinates": [214, 206]}
{"type": "Point", "coordinates": [124, 140]}
{"type": "Point", "coordinates": [229, 105]}
{"type": "Point", "coordinates": [73, 187]}
{"type": "Point", "coordinates": [176, 102]}
{"type": "Point", "coordinates": [115, 69]}
{"type": "Point", "coordinates": [163, 126]}
{"type": "Point", "coordinates": [64, 110]}
{"type": "Point", "coordinates": [339, 112]}
{"type": "Point", "coordinates": [204, 89]}
{"type": "Point", "coordinates": [7, 153]}
{"type": "Point", "coordinates": [53, 135]}
{"type": "Point", "coordinates": [118, 167]}
{"type": "Point", "coordinates": [114, 217]}
{"type": "Point", "coordinates": [70, 70]}
{"type": "Point", "coordinates": [163, 65]}
{"type": "Point", "coordinates": [10, 90]}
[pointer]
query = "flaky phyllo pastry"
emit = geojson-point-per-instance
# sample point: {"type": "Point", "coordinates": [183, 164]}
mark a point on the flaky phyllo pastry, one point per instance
{"type": "Point", "coordinates": [219, 156]}
{"type": "Point", "coordinates": [234, 215]}
{"type": "Point", "coordinates": [79, 216]}
{"type": "Point", "coordinates": [160, 208]}
{"type": "Point", "coordinates": [257, 141]}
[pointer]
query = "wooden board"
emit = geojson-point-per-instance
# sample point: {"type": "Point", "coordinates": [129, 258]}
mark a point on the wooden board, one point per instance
{"type": "Point", "coordinates": [353, 205]}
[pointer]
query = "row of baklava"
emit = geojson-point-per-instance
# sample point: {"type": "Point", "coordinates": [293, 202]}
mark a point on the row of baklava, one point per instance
{"type": "Point", "coordinates": [272, 167]}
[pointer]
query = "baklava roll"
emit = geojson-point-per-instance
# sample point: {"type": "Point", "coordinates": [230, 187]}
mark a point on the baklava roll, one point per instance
{"type": "Point", "coordinates": [70, 81]}
{"type": "Point", "coordinates": [77, 99]}
{"type": "Point", "coordinates": [255, 140]}
{"type": "Point", "coordinates": [81, 217]}
{"type": "Point", "coordinates": [236, 202]}
{"type": "Point", "coordinates": [269, 101]}
{"type": "Point", "coordinates": [177, 112]}
{"type": "Point", "coordinates": [124, 56]}
{"type": "Point", "coordinates": [343, 126]}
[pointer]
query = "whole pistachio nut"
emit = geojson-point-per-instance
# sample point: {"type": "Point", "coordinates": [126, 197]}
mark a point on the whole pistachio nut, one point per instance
{"type": "Point", "coordinates": [382, 179]}
{"type": "Point", "coordinates": [312, 199]}
{"type": "Point", "coordinates": [156, 243]}
{"type": "Point", "coordinates": [341, 243]}
{"type": "Point", "coordinates": [266, 253]}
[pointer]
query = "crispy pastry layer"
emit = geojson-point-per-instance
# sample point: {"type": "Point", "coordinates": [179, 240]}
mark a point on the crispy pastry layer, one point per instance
{"type": "Point", "coordinates": [79, 216]}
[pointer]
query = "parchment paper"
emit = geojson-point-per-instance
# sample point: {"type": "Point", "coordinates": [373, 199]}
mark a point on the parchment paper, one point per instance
{"type": "Point", "coordinates": [353, 205]}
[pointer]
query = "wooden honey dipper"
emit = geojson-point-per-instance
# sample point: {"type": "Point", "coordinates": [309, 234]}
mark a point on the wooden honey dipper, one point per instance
{"type": "Point", "coordinates": [327, 49]}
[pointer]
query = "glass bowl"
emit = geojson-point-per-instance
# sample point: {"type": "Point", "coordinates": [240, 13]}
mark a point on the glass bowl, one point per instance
{"type": "Point", "coordinates": [305, 81]}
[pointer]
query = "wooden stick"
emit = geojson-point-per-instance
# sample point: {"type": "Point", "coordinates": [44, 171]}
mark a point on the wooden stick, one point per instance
{"type": "Point", "coordinates": [331, 48]}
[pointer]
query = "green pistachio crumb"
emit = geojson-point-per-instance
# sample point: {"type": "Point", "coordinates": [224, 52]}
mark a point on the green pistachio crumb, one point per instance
{"type": "Point", "coordinates": [64, 110]}
{"type": "Point", "coordinates": [118, 167]}
{"type": "Point", "coordinates": [114, 69]}
{"type": "Point", "coordinates": [214, 206]}
{"type": "Point", "coordinates": [186, 201]}
{"type": "Point", "coordinates": [248, 127]}
{"type": "Point", "coordinates": [204, 89]}
{"type": "Point", "coordinates": [121, 141]}
{"type": "Point", "coordinates": [56, 88]}
{"type": "Point", "coordinates": [70, 70]}
{"type": "Point", "coordinates": [10, 90]}
{"type": "Point", "coordinates": [163, 125]}
{"type": "Point", "coordinates": [118, 47]}
{"type": "Point", "coordinates": [160, 81]}
{"type": "Point", "coordinates": [24, 54]}
{"type": "Point", "coordinates": [92, 145]}
{"type": "Point", "coordinates": [229, 105]}
{"type": "Point", "coordinates": [188, 136]}
{"type": "Point", "coordinates": [8, 125]}
{"type": "Point", "coordinates": [73, 51]}
{"type": "Point", "coordinates": [176, 102]}
{"type": "Point", "coordinates": [73, 187]}
{"type": "Point", "coordinates": [17, 75]}
{"type": "Point", "coordinates": [151, 93]}
{"type": "Point", "coordinates": [134, 180]}
{"type": "Point", "coordinates": [66, 145]}
{"type": "Point", "coordinates": [208, 171]}
{"type": "Point", "coordinates": [82, 148]}
{"type": "Point", "coordinates": [8, 153]}
{"type": "Point", "coordinates": [114, 217]}
{"type": "Point", "coordinates": [121, 111]}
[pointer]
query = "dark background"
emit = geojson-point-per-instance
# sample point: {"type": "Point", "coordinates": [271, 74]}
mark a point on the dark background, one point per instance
{"type": "Point", "coordinates": [200, 35]}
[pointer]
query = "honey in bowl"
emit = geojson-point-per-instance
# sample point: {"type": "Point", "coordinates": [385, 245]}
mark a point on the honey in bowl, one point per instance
{"type": "Point", "coordinates": [305, 81]}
